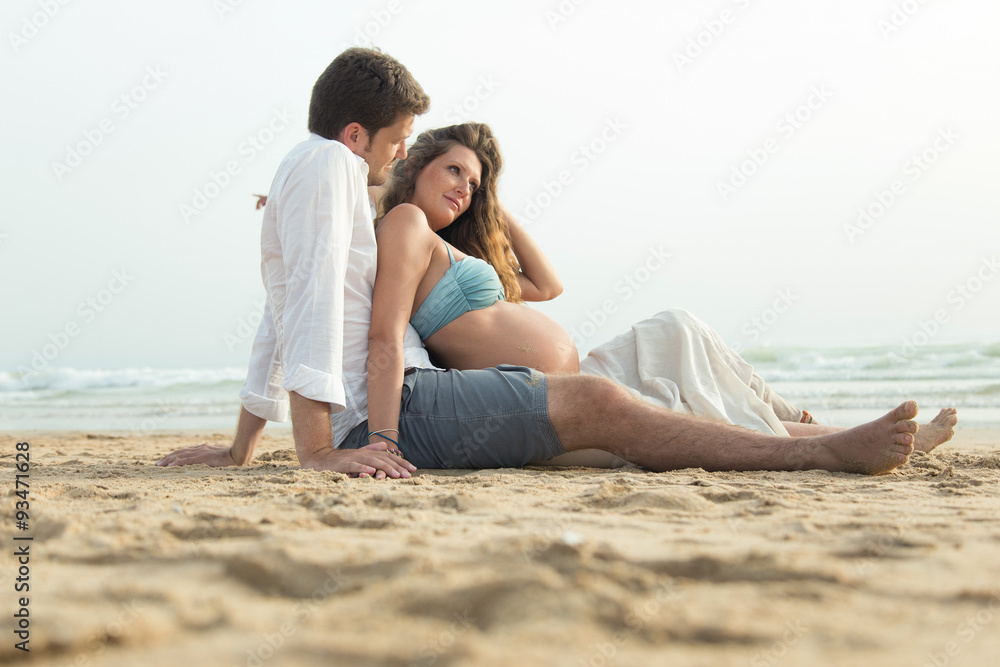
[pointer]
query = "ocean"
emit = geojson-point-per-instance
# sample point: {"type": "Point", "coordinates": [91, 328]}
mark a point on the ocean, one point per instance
{"type": "Point", "coordinates": [843, 386]}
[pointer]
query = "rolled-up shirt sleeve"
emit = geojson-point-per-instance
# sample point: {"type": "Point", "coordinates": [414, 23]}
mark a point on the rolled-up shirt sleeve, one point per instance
{"type": "Point", "coordinates": [262, 393]}
{"type": "Point", "coordinates": [305, 246]}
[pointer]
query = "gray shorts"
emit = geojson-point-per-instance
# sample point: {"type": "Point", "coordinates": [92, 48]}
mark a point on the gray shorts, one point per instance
{"type": "Point", "coordinates": [489, 418]}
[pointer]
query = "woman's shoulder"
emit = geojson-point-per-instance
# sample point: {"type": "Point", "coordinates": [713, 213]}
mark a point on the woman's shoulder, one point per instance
{"type": "Point", "coordinates": [404, 215]}
{"type": "Point", "coordinates": [404, 222]}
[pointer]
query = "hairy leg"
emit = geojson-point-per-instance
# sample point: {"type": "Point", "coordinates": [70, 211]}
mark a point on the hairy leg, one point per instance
{"type": "Point", "coordinates": [594, 413]}
{"type": "Point", "coordinates": [798, 429]}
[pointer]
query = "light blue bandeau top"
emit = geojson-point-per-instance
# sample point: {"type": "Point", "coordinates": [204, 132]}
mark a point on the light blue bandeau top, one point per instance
{"type": "Point", "coordinates": [470, 284]}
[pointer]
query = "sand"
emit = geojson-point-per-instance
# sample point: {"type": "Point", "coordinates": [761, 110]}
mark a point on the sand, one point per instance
{"type": "Point", "coordinates": [134, 564]}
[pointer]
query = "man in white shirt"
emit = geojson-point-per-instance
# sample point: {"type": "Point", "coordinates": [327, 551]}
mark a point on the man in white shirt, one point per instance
{"type": "Point", "coordinates": [318, 260]}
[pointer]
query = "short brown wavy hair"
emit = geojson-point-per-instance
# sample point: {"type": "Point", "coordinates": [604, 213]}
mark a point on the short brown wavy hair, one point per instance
{"type": "Point", "coordinates": [363, 86]}
{"type": "Point", "coordinates": [482, 231]}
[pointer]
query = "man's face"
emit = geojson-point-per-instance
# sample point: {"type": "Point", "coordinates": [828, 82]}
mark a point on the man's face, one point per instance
{"type": "Point", "coordinates": [385, 147]}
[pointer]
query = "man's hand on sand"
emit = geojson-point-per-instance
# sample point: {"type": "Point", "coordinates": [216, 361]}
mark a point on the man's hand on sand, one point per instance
{"type": "Point", "coordinates": [374, 460]}
{"type": "Point", "coordinates": [216, 456]}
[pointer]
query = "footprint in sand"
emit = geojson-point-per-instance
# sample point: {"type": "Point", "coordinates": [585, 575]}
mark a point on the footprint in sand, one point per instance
{"type": "Point", "coordinates": [615, 495]}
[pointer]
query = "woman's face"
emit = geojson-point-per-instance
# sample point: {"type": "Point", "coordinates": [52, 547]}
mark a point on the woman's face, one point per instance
{"type": "Point", "coordinates": [443, 189]}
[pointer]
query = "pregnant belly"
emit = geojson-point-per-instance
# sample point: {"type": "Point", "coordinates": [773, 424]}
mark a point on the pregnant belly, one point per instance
{"type": "Point", "coordinates": [505, 333]}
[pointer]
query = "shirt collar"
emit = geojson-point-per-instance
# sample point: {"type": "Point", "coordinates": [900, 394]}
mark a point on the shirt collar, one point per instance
{"type": "Point", "coordinates": [361, 161]}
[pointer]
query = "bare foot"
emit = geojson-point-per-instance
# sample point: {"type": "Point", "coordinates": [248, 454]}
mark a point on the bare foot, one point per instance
{"type": "Point", "coordinates": [874, 448]}
{"type": "Point", "coordinates": [807, 418]}
{"type": "Point", "coordinates": [940, 430]}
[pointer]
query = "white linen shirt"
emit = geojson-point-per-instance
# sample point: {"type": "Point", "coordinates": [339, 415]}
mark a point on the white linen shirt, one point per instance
{"type": "Point", "coordinates": [318, 261]}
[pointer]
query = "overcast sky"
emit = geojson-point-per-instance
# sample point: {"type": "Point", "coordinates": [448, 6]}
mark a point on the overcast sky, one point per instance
{"type": "Point", "coordinates": [795, 173]}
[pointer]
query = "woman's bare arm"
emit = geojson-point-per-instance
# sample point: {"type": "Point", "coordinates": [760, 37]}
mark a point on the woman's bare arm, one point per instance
{"type": "Point", "coordinates": [538, 278]}
{"type": "Point", "coordinates": [404, 253]}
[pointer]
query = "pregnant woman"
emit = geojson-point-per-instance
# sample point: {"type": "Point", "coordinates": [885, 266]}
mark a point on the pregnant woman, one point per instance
{"type": "Point", "coordinates": [454, 264]}
{"type": "Point", "coordinates": [457, 266]}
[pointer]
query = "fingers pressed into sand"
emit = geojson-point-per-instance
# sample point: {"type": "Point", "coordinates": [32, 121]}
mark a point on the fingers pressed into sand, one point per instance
{"type": "Point", "coordinates": [196, 454]}
{"type": "Point", "coordinates": [938, 431]}
{"type": "Point", "coordinates": [166, 460]}
{"type": "Point", "coordinates": [361, 471]}
{"type": "Point", "coordinates": [389, 464]}
{"type": "Point", "coordinates": [873, 448]}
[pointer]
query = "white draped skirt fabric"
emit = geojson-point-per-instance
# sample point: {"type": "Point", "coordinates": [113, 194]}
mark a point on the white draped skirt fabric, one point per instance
{"type": "Point", "coordinates": [676, 361]}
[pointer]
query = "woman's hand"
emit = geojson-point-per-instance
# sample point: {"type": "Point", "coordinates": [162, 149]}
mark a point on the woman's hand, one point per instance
{"type": "Point", "coordinates": [395, 456]}
{"type": "Point", "coordinates": [365, 462]}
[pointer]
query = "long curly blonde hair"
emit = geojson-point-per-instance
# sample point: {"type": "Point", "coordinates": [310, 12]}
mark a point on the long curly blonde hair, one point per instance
{"type": "Point", "coordinates": [481, 231]}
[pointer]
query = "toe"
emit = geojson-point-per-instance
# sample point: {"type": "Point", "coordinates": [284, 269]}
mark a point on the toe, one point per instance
{"type": "Point", "coordinates": [903, 439]}
{"type": "Point", "coordinates": [907, 410]}
{"type": "Point", "coordinates": [907, 427]}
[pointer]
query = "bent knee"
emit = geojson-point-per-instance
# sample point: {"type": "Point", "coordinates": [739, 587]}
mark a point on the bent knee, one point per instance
{"type": "Point", "coordinates": [608, 391]}
{"type": "Point", "coordinates": [590, 392]}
